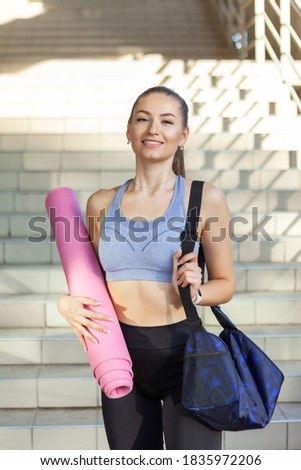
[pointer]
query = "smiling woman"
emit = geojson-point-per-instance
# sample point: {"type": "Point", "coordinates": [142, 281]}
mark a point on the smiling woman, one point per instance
{"type": "Point", "coordinates": [135, 230]}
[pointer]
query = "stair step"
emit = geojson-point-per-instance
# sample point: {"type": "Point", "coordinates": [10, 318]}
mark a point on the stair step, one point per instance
{"type": "Point", "coordinates": [241, 104]}
{"type": "Point", "coordinates": [254, 120]}
{"type": "Point", "coordinates": [239, 200]}
{"type": "Point", "coordinates": [218, 74]}
{"type": "Point", "coordinates": [228, 179]}
{"type": "Point", "coordinates": [66, 429]}
{"type": "Point", "coordinates": [251, 308]}
{"type": "Point", "coordinates": [266, 308]}
{"type": "Point", "coordinates": [247, 118]}
{"type": "Point", "coordinates": [122, 160]}
{"type": "Point", "coordinates": [268, 277]}
{"type": "Point", "coordinates": [282, 433]}
{"type": "Point", "coordinates": [219, 68]}
{"type": "Point", "coordinates": [251, 116]}
{"type": "Point", "coordinates": [27, 202]}
{"type": "Point", "coordinates": [290, 141]}
{"type": "Point", "coordinates": [211, 119]}
{"type": "Point", "coordinates": [82, 429]}
{"type": "Point", "coordinates": [51, 386]}
{"type": "Point", "coordinates": [29, 279]}
{"type": "Point", "coordinates": [60, 345]}
{"type": "Point", "coordinates": [266, 201]}
{"type": "Point", "coordinates": [32, 98]}
{"type": "Point", "coordinates": [248, 245]}
{"type": "Point", "coordinates": [248, 248]}
{"type": "Point", "coordinates": [73, 386]}
{"type": "Point", "coordinates": [260, 308]}
{"type": "Point", "coordinates": [277, 224]}
{"type": "Point", "coordinates": [244, 160]}
{"type": "Point", "coordinates": [30, 311]}
{"type": "Point", "coordinates": [50, 279]}
{"type": "Point", "coordinates": [244, 141]}
{"type": "Point", "coordinates": [40, 346]}
{"type": "Point", "coordinates": [182, 51]}
{"type": "Point", "coordinates": [241, 68]}
{"type": "Point", "coordinates": [87, 114]}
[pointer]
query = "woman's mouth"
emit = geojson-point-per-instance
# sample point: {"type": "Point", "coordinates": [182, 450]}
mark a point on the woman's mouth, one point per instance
{"type": "Point", "coordinates": [151, 143]}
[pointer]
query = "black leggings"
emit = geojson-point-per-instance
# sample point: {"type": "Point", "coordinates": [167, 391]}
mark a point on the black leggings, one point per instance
{"type": "Point", "coordinates": [152, 416]}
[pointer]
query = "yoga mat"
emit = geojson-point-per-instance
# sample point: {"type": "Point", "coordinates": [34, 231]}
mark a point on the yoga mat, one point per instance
{"type": "Point", "coordinates": [109, 359]}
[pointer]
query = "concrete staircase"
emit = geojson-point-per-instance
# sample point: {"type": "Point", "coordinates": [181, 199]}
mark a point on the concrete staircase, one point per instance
{"type": "Point", "coordinates": [63, 116]}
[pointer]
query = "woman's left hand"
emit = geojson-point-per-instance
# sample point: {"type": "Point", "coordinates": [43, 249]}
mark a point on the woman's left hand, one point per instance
{"type": "Point", "coordinates": [186, 271]}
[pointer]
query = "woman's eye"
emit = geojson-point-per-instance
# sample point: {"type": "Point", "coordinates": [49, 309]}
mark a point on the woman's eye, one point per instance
{"type": "Point", "coordinates": [141, 120]}
{"type": "Point", "coordinates": [167, 122]}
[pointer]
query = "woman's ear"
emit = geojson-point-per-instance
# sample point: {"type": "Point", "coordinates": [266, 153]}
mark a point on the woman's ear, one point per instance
{"type": "Point", "coordinates": [185, 135]}
{"type": "Point", "coordinates": [128, 136]}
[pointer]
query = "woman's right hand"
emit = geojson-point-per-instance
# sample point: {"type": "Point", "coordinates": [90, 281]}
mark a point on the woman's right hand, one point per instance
{"type": "Point", "coordinates": [72, 308]}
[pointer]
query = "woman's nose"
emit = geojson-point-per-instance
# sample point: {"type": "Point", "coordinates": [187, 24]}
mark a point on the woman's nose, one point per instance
{"type": "Point", "coordinates": [153, 128]}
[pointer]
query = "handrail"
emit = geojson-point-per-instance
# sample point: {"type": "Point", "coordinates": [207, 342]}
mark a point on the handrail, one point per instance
{"type": "Point", "coordinates": [266, 29]}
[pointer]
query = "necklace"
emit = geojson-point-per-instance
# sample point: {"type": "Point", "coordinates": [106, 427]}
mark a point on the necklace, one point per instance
{"type": "Point", "coordinates": [141, 187]}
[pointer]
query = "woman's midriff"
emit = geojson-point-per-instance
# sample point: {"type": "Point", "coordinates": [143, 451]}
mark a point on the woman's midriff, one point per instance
{"type": "Point", "coordinates": [146, 303]}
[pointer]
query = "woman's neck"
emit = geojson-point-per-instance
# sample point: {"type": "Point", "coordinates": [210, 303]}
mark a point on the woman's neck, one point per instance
{"type": "Point", "coordinates": [145, 187]}
{"type": "Point", "coordinates": [151, 177]}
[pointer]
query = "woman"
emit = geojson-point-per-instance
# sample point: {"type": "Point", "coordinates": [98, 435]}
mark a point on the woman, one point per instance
{"type": "Point", "coordinates": [135, 232]}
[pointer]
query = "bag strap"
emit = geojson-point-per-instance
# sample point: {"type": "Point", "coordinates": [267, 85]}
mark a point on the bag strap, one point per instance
{"type": "Point", "coordinates": [188, 239]}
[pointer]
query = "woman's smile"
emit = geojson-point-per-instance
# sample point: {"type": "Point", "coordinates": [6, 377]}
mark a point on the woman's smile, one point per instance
{"type": "Point", "coordinates": [152, 143]}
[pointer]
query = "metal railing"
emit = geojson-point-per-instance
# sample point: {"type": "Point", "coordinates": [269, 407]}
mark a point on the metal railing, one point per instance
{"type": "Point", "coordinates": [266, 30]}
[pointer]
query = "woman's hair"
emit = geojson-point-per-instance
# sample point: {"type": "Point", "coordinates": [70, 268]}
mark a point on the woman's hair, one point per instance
{"type": "Point", "coordinates": [178, 166]}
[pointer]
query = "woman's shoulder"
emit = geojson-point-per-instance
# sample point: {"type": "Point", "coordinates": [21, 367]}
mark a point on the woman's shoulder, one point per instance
{"type": "Point", "coordinates": [211, 192]}
{"type": "Point", "coordinates": [101, 199]}
{"type": "Point", "coordinates": [214, 203]}
{"type": "Point", "coordinates": [213, 199]}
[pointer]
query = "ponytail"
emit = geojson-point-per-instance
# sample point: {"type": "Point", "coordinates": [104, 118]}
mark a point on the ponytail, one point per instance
{"type": "Point", "coordinates": [178, 166]}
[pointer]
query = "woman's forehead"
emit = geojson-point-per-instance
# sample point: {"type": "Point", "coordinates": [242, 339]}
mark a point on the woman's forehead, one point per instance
{"type": "Point", "coordinates": [158, 101]}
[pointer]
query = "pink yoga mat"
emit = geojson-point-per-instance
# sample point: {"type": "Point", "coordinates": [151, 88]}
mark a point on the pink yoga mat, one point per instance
{"type": "Point", "coordinates": [109, 359]}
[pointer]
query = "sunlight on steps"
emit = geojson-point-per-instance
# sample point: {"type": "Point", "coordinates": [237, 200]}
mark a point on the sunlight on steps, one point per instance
{"type": "Point", "coordinates": [15, 9]}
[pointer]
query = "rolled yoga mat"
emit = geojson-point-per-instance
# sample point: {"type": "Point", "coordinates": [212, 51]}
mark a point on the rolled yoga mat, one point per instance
{"type": "Point", "coordinates": [109, 359]}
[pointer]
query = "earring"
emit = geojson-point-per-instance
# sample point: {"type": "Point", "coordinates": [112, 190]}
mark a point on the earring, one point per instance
{"type": "Point", "coordinates": [181, 148]}
{"type": "Point", "coordinates": [128, 142]}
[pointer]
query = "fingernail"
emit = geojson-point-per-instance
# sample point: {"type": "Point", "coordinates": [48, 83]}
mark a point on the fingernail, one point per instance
{"type": "Point", "coordinates": [98, 302]}
{"type": "Point", "coordinates": [111, 320]}
{"type": "Point", "coordinates": [95, 341]}
{"type": "Point", "coordinates": [108, 332]}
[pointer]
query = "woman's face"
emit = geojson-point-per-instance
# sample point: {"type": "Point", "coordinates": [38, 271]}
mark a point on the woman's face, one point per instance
{"type": "Point", "coordinates": [156, 127]}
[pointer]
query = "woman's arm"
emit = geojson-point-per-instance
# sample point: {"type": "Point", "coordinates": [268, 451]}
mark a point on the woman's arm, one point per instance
{"type": "Point", "coordinates": [216, 242]}
{"type": "Point", "coordinates": [217, 246]}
